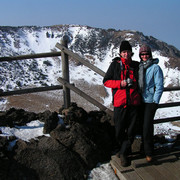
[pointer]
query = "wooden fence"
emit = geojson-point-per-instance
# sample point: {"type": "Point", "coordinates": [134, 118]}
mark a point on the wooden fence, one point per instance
{"type": "Point", "coordinates": [64, 80]}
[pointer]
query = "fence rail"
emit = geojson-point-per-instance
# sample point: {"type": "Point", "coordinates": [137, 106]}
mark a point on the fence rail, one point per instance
{"type": "Point", "coordinates": [177, 88]}
{"type": "Point", "coordinates": [66, 86]}
{"type": "Point", "coordinates": [31, 90]}
{"type": "Point", "coordinates": [30, 56]}
{"type": "Point", "coordinates": [80, 59]}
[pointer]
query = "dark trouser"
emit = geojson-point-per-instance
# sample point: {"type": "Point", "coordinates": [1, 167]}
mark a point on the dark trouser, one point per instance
{"type": "Point", "coordinates": [148, 110]}
{"type": "Point", "coordinates": [125, 121]}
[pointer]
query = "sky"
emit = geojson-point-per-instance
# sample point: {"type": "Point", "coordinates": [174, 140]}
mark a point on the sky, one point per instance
{"type": "Point", "coordinates": [157, 18]}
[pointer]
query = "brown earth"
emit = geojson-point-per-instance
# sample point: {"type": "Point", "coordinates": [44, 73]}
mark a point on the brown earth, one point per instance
{"type": "Point", "coordinates": [53, 100]}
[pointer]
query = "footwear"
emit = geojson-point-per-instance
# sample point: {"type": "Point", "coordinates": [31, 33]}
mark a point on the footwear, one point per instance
{"type": "Point", "coordinates": [124, 160]}
{"type": "Point", "coordinates": [118, 154]}
{"type": "Point", "coordinates": [149, 158]}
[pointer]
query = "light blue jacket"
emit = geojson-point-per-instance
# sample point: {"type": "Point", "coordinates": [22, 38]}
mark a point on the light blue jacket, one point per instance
{"type": "Point", "coordinates": [153, 87]}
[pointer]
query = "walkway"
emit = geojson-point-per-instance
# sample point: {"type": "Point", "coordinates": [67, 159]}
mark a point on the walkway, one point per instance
{"type": "Point", "coordinates": [166, 166]}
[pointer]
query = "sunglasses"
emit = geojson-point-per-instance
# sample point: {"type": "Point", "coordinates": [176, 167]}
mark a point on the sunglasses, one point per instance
{"type": "Point", "coordinates": [146, 54]}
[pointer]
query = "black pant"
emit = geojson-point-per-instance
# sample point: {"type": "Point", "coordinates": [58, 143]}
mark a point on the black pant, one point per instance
{"type": "Point", "coordinates": [125, 121]}
{"type": "Point", "coordinates": [148, 111]}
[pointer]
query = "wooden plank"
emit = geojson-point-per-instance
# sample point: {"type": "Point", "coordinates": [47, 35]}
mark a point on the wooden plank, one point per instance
{"type": "Point", "coordinates": [116, 169]}
{"type": "Point", "coordinates": [123, 173]}
{"type": "Point", "coordinates": [30, 56]}
{"type": "Point", "coordinates": [177, 118]}
{"type": "Point", "coordinates": [31, 90]}
{"type": "Point", "coordinates": [165, 158]}
{"type": "Point", "coordinates": [167, 171]}
{"type": "Point", "coordinates": [159, 159]}
{"type": "Point", "coordinates": [174, 168]}
{"type": "Point", "coordinates": [165, 166]}
{"type": "Point", "coordinates": [137, 163]}
{"type": "Point", "coordinates": [176, 164]}
{"type": "Point", "coordinates": [80, 59]}
{"type": "Point", "coordinates": [150, 173]}
{"type": "Point", "coordinates": [177, 88]}
{"type": "Point", "coordinates": [165, 105]}
{"type": "Point", "coordinates": [65, 75]}
{"type": "Point", "coordinates": [154, 170]}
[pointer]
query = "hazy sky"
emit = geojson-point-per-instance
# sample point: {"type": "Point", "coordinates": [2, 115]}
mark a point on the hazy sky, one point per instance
{"type": "Point", "coordinates": [157, 18]}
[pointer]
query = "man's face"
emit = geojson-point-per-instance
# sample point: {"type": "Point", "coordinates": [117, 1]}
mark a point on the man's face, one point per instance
{"type": "Point", "coordinates": [126, 54]}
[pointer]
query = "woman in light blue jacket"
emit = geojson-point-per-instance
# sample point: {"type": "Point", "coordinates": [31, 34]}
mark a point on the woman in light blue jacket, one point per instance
{"type": "Point", "coordinates": [151, 87]}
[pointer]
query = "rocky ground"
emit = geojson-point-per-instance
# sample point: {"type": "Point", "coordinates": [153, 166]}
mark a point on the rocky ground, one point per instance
{"type": "Point", "coordinates": [71, 150]}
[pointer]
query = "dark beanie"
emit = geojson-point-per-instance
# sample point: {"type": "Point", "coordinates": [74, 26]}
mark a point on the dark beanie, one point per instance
{"type": "Point", "coordinates": [125, 46]}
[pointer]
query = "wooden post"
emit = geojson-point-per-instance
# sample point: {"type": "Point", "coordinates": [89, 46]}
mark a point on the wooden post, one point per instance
{"type": "Point", "coordinates": [65, 72]}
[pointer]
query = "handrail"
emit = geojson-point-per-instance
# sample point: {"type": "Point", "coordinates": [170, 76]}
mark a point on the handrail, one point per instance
{"type": "Point", "coordinates": [164, 120]}
{"type": "Point", "coordinates": [172, 104]}
{"type": "Point", "coordinates": [80, 59]}
{"type": "Point", "coordinates": [30, 56]}
{"type": "Point", "coordinates": [174, 88]}
{"type": "Point", "coordinates": [30, 90]}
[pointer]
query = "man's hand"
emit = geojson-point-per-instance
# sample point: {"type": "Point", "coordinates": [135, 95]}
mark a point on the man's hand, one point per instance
{"type": "Point", "coordinates": [123, 83]}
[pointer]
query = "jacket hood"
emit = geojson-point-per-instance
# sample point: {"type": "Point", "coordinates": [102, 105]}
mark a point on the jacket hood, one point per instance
{"type": "Point", "coordinates": [155, 61]}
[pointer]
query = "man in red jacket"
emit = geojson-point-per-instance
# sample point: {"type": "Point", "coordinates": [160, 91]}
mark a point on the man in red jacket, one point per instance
{"type": "Point", "coordinates": [121, 77]}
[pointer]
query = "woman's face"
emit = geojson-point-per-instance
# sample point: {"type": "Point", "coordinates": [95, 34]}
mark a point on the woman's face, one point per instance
{"type": "Point", "coordinates": [145, 56]}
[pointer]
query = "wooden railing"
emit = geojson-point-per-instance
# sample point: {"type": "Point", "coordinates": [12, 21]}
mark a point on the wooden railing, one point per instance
{"type": "Point", "coordinates": [64, 80]}
{"type": "Point", "coordinates": [30, 90]}
{"type": "Point", "coordinates": [66, 86]}
{"type": "Point", "coordinates": [167, 105]}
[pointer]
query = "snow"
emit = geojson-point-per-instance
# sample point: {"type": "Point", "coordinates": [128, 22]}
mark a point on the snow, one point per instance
{"type": "Point", "coordinates": [102, 172]}
{"type": "Point", "coordinates": [3, 102]}
{"type": "Point", "coordinates": [32, 130]}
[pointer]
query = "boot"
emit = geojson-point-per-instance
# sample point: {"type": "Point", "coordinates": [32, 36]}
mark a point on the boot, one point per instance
{"type": "Point", "coordinates": [124, 160]}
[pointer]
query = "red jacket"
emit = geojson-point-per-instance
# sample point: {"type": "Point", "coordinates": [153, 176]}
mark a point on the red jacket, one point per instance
{"type": "Point", "coordinates": [117, 72]}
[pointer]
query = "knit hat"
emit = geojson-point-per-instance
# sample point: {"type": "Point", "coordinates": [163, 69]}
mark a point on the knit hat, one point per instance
{"type": "Point", "coordinates": [125, 46]}
{"type": "Point", "coordinates": [145, 48]}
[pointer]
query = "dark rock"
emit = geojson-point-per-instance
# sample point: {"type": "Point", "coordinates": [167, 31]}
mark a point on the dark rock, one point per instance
{"type": "Point", "coordinates": [17, 117]}
{"type": "Point", "coordinates": [49, 159]}
{"type": "Point", "coordinates": [74, 114]}
{"type": "Point", "coordinates": [92, 148]}
{"type": "Point", "coordinates": [137, 145]}
{"type": "Point", "coordinates": [50, 119]}
{"type": "Point", "coordinates": [160, 139]}
{"type": "Point", "coordinates": [177, 142]}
